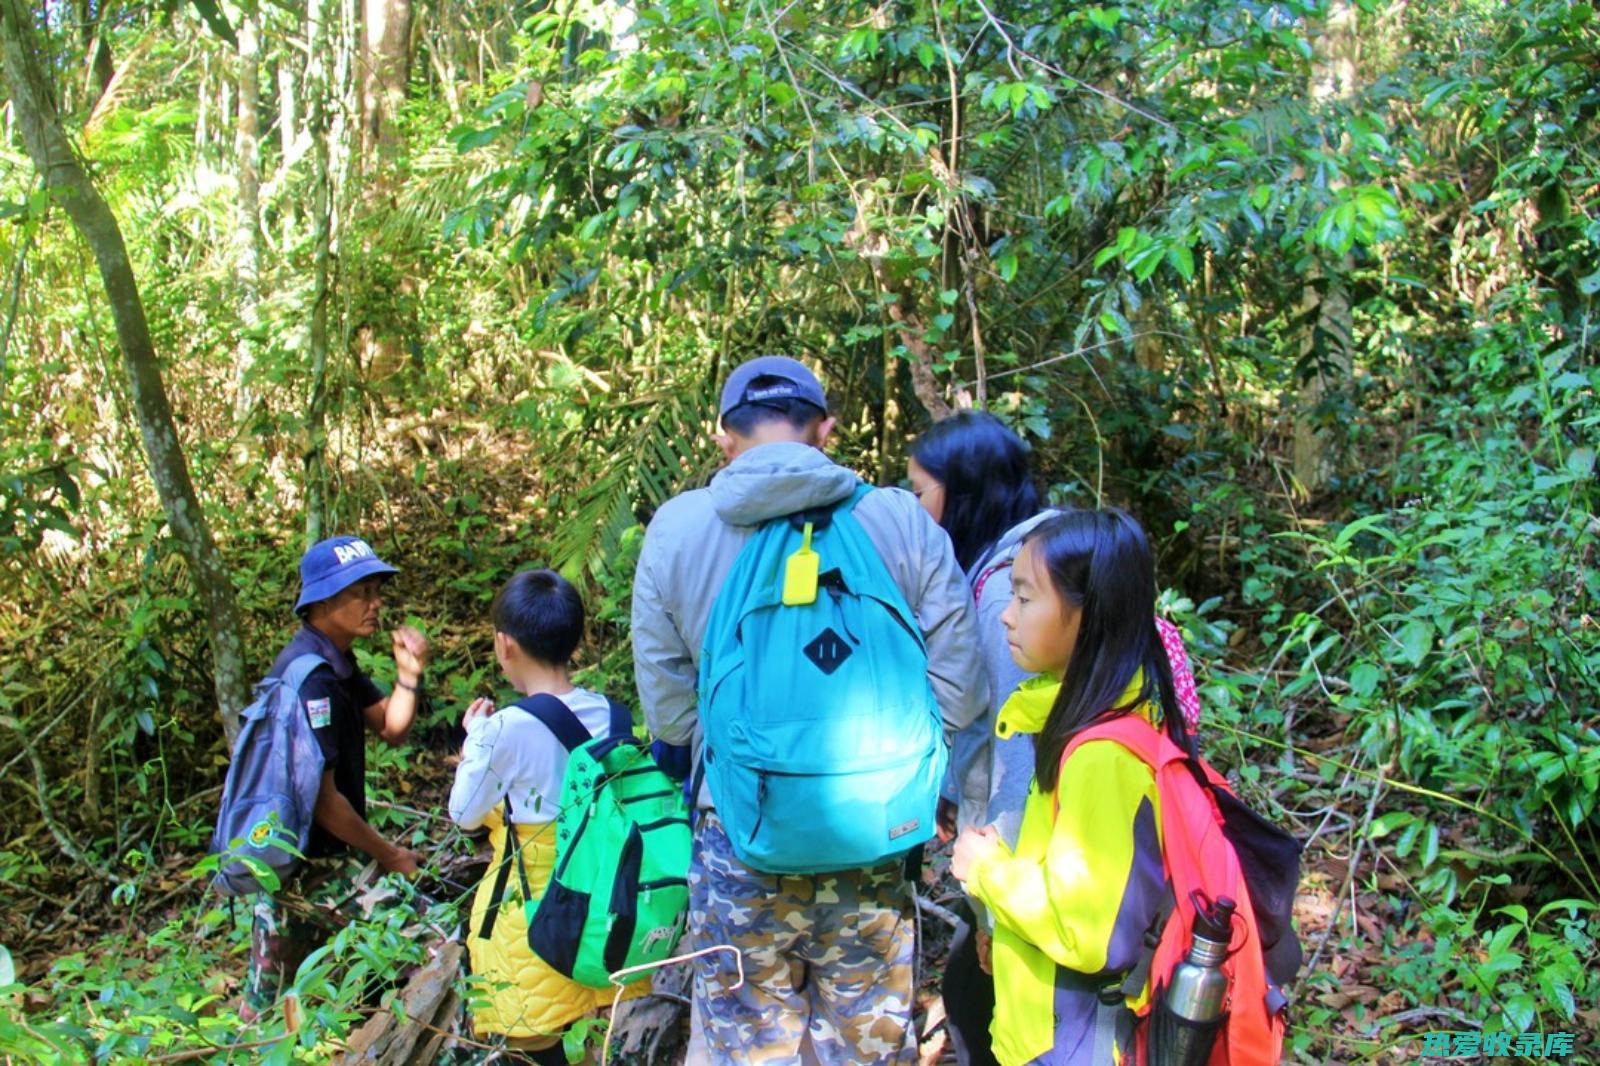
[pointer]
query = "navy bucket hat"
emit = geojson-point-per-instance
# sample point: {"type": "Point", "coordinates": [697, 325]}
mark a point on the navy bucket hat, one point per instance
{"type": "Point", "coordinates": [330, 566]}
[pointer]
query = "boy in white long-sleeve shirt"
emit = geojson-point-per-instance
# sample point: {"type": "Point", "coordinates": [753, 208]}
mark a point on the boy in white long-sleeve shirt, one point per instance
{"type": "Point", "coordinates": [513, 763]}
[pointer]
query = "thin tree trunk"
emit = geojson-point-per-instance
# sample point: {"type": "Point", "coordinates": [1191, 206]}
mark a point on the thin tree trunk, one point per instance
{"type": "Point", "coordinates": [55, 159]}
{"type": "Point", "coordinates": [292, 145]}
{"type": "Point", "coordinates": [247, 219]}
{"type": "Point", "coordinates": [1326, 344]}
{"type": "Point", "coordinates": [318, 91]}
{"type": "Point", "coordinates": [202, 117]}
{"type": "Point", "coordinates": [98, 65]}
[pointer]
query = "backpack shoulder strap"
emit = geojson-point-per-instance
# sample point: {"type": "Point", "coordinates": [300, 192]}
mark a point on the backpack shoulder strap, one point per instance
{"type": "Point", "coordinates": [1133, 733]}
{"type": "Point", "coordinates": [985, 575]}
{"type": "Point", "coordinates": [621, 718]}
{"type": "Point", "coordinates": [301, 668]}
{"type": "Point", "coordinates": [858, 494]}
{"type": "Point", "coordinates": [558, 718]}
{"type": "Point", "coordinates": [1153, 747]}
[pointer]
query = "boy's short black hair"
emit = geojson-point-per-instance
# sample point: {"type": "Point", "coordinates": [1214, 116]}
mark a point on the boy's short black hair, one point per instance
{"type": "Point", "coordinates": [744, 418]}
{"type": "Point", "coordinates": [543, 613]}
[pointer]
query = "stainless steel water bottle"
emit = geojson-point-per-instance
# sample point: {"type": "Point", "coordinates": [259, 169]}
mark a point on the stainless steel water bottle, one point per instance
{"type": "Point", "coordinates": [1197, 991]}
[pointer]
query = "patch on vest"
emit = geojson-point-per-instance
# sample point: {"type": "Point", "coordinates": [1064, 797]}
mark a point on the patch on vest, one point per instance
{"type": "Point", "coordinates": [260, 834]}
{"type": "Point", "coordinates": [828, 651]}
{"type": "Point", "coordinates": [321, 712]}
{"type": "Point", "coordinates": [903, 828]}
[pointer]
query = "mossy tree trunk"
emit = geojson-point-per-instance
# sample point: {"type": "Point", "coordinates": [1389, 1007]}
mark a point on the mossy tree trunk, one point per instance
{"type": "Point", "coordinates": [247, 218]}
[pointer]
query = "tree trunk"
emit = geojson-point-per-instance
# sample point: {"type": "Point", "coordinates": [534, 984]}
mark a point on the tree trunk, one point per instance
{"type": "Point", "coordinates": [385, 70]}
{"type": "Point", "coordinates": [247, 218]}
{"type": "Point", "coordinates": [202, 115]}
{"type": "Point", "coordinates": [56, 160]}
{"type": "Point", "coordinates": [1326, 344]}
{"type": "Point", "coordinates": [98, 65]}
{"type": "Point", "coordinates": [318, 90]}
{"type": "Point", "coordinates": [289, 135]}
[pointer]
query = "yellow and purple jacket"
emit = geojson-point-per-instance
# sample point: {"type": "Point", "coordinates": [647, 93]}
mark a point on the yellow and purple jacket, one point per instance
{"type": "Point", "coordinates": [1073, 901]}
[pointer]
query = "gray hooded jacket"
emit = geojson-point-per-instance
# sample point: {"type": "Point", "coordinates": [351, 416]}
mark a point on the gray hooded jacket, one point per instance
{"type": "Point", "coordinates": [692, 543]}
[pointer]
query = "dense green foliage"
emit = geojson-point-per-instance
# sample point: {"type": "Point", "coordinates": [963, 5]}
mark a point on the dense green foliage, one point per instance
{"type": "Point", "coordinates": [1310, 287]}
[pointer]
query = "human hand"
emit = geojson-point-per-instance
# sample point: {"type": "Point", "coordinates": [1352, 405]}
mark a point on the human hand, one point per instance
{"type": "Point", "coordinates": [945, 820]}
{"type": "Point", "coordinates": [984, 942]}
{"type": "Point", "coordinates": [402, 861]}
{"type": "Point", "coordinates": [410, 655]}
{"type": "Point", "coordinates": [971, 847]}
{"type": "Point", "coordinates": [482, 707]}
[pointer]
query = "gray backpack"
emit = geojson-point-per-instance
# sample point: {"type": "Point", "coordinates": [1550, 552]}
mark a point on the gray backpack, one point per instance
{"type": "Point", "coordinates": [271, 790]}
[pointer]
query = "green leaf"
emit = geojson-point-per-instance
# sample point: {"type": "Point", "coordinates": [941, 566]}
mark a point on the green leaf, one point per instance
{"type": "Point", "coordinates": [282, 1053]}
{"type": "Point", "coordinates": [1580, 461]}
{"type": "Point", "coordinates": [1521, 1012]}
{"type": "Point", "coordinates": [1515, 911]}
{"type": "Point", "coordinates": [1561, 994]}
{"type": "Point", "coordinates": [1385, 824]}
{"type": "Point", "coordinates": [1416, 639]}
{"type": "Point", "coordinates": [8, 968]}
{"type": "Point", "coordinates": [1182, 261]}
{"type": "Point", "coordinates": [1368, 523]}
{"type": "Point", "coordinates": [467, 139]}
{"type": "Point", "coordinates": [1008, 265]}
{"type": "Point", "coordinates": [1364, 679]}
{"type": "Point", "coordinates": [1144, 262]}
{"type": "Point", "coordinates": [1106, 18]}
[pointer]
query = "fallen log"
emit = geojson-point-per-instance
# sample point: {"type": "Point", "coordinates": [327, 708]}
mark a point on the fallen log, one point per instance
{"type": "Point", "coordinates": [430, 1010]}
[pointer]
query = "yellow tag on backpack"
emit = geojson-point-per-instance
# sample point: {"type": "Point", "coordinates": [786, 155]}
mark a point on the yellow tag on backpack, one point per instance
{"type": "Point", "coordinates": [800, 574]}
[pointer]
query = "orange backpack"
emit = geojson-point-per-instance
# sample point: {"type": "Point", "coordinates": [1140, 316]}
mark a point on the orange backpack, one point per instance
{"type": "Point", "coordinates": [1213, 843]}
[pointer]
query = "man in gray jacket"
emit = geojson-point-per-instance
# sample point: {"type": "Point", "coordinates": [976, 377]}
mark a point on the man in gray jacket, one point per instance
{"type": "Point", "coordinates": [827, 958]}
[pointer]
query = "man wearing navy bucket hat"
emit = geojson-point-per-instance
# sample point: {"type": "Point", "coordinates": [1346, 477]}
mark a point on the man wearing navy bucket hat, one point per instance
{"type": "Point", "coordinates": [341, 597]}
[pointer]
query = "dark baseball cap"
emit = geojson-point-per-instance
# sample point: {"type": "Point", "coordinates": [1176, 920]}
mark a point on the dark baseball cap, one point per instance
{"type": "Point", "coordinates": [782, 379]}
{"type": "Point", "coordinates": [330, 566]}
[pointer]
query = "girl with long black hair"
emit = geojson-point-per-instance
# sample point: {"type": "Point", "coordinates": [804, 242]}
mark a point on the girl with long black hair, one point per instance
{"type": "Point", "coordinates": [973, 476]}
{"type": "Point", "coordinates": [1072, 899]}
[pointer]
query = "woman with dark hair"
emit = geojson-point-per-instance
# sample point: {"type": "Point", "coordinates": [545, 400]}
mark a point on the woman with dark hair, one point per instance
{"type": "Point", "coordinates": [1073, 896]}
{"type": "Point", "coordinates": [972, 474]}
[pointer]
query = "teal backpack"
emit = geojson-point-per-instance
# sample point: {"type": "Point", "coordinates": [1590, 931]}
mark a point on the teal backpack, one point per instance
{"type": "Point", "coordinates": [824, 746]}
{"type": "Point", "coordinates": [619, 893]}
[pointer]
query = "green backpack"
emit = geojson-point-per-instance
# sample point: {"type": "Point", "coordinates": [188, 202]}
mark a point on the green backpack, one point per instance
{"type": "Point", "coordinates": [619, 894]}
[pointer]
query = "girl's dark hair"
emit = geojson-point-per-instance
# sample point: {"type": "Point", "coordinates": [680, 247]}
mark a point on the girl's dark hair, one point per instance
{"type": "Point", "coordinates": [1100, 563]}
{"type": "Point", "coordinates": [543, 613]}
{"type": "Point", "coordinates": [988, 487]}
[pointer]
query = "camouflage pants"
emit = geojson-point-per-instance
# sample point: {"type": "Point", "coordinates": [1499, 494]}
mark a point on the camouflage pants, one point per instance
{"type": "Point", "coordinates": [827, 955]}
{"type": "Point", "coordinates": [287, 926]}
